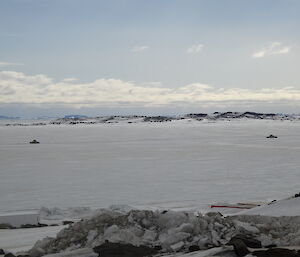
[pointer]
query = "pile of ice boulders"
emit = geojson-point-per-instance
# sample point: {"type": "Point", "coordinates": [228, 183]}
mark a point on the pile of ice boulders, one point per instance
{"type": "Point", "coordinates": [170, 230]}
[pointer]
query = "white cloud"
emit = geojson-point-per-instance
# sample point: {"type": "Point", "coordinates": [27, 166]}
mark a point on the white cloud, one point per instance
{"type": "Point", "coordinates": [10, 64]}
{"type": "Point", "coordinates": [68, 80]}
{"type": "Point", "coordinates": [138, 49]}
{"type": "Point", "coordinates": [274, 48]}
{"type": "Point", "coordinates": [19, 88]}
{"type": "Point", "coordinates": [194, 49]}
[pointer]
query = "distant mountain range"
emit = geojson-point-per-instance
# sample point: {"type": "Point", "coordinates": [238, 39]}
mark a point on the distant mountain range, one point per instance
{"type": "Point", "coordinates": [82, 119]}
{"type": "Point", "coordinates": [75, 116]}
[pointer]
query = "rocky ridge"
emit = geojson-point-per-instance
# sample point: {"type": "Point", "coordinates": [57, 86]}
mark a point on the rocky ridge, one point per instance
{"type": "Point", "coordinates": [80, 119]}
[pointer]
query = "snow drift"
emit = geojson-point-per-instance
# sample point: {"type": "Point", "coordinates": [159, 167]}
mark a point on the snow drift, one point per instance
{"type": "Point", "coordinates": [285, 207]}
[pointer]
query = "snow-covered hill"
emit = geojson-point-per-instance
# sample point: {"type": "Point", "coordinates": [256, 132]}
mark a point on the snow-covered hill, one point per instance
{"type": "Point", "coordinates": [81, 119]}
{"type": "Point", "coordinates": [285, 207]}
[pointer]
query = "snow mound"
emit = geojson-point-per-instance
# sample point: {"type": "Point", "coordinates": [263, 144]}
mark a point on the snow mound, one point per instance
{"type": "Point", "coordinates": [173, 231]}
{"type": "Point", "coordinates": [285, 207]}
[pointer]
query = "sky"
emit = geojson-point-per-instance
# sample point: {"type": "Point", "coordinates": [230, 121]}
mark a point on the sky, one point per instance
{"type": "Point", "coordinates": [97, 57]}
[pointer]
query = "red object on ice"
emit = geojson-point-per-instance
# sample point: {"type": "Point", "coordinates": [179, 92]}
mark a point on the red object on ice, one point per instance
{"type": "Point", "coordinates": [237, 205]}
{"type": "Point", "coordinates": [228, 206]}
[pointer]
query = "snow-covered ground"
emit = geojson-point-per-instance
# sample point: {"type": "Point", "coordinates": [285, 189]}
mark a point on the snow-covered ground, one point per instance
{"type": "Point", "coordinates": [283, 207]}
{"type": "Point", "coordinates": [16, 240]}
{"type": "Point", "coordinates": [179, 164]}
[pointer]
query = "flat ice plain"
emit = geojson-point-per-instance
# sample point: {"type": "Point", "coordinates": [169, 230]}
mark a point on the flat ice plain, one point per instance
{"type": "Point", "coordinates": [178, 164]}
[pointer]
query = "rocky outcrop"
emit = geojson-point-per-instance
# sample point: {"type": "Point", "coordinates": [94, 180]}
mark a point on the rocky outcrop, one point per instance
{"type": "Point", "coordinates": [129, 119]}
{"type": "Point", "coordinates": [109, 249]}
{"type": "Point", "coordinates": [242, 250]}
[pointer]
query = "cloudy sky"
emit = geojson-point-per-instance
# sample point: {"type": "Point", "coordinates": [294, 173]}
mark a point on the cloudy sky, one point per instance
{"type": "Point", "coordinates": [99, 57]}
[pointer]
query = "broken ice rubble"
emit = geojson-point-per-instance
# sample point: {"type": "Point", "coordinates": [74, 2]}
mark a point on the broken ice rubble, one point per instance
{"type": "Point", "coordinates": [173, 231]}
